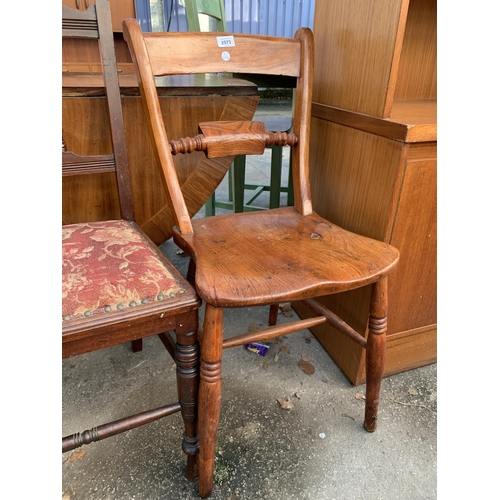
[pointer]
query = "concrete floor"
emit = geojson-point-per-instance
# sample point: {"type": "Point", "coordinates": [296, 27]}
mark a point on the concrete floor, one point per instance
{"type": "Point", "coordinates": [318, 449]}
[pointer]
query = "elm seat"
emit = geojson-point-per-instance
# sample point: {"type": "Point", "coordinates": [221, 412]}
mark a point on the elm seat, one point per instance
{"type": "Point", "coordinates": [117, 286]}
{"type": "Point", "coordinates": [292, 257]}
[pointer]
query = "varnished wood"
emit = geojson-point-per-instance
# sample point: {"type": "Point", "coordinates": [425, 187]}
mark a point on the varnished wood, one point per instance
{"type": "Point", "coordinates": [353, 65]}
{"type": "Point", "coordinates": [95, 198]}
{"type": "Point", "coordinates": [179, 314]}
{"type": "Point", "coordinates": [209, 394]}
{"type": "Point", "coordinates": [117, 427]}
{"type": "Point", "coordinates": [247, 56]}
{"type": "Point", "coordinates": [398, 180]}
{"type": "Point", "coordinates": [276, 266]}
{"type": "Point", "coordinates": [273, 314]}
{"type": "Point", "coordinates": [84, 25]}
{"type": "Point", "coordinates": [80, 165]}
{"type": "Point", "coordinates": [375, 351]}
{"type": "Point", "coordinates": [266, 257]}
{"type": "Point", "coordinates": [417, 75]}
{"type": "Point", "coordinates": [382, 137]}
{"type": "Point", "coordinates": [272, 332]}
{"type": "Point", "coordinates": [411, 121]}
{"type": "Point", "coordinates": [219, 139]}
{"type": "Point", "coordinates": [119, 9]}
{"type": "Point", "coordinates": [335, 321]}
{"type": "Point", "coordinates": [372, 55]}
{"type": "Point", "coordinates": [91, 84]}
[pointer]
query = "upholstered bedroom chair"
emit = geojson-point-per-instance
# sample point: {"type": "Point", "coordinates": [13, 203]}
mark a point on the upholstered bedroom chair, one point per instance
{"type": "Point", "coordinates": [117, 286]}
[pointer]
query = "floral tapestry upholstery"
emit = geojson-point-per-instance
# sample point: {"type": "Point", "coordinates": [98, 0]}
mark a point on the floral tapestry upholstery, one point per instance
{"type": "Point", "coordinates": [108, 266]}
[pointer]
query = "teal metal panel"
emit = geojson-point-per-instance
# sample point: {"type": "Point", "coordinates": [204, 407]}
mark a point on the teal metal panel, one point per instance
{"type": "Point", "coordinates": [264, 17]}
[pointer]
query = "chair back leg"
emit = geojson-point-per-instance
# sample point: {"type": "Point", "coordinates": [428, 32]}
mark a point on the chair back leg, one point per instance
{"type": "Point", "coordinates": [375, 351]}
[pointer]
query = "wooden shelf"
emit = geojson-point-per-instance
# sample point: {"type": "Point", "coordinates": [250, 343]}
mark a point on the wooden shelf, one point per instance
{"type": "Point", "coordinates": [411, 121]}
{"type": "Point", "coordinates": [372, 54]}
{"type": "Point", "coordinates": [414, 112]}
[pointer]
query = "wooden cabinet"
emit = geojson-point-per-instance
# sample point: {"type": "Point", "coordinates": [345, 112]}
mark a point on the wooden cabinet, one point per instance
{"type": "Point", "coordinates": [120, 10]}
{"type": "Point", "coordinates": [81, 55]}
{"type": "Point", "coordinates": [85, 130]}
{"type": "Point", "coordinates": [373, 163]}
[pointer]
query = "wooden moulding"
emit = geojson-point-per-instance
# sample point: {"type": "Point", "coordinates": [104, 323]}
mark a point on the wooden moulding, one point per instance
{"type": "Point", "coordinates": [411, 121]}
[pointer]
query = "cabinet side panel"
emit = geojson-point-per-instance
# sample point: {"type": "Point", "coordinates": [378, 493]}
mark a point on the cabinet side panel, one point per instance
{"type": "Point", "coordinates": [355, 44]}
{"type": "Point", "coordinates": [354, 176]}
{"type": "Point", "coordinates": [417, 76]}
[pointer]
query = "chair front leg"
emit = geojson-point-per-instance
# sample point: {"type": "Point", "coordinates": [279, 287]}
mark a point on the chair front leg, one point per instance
{"type": "Point", "coordinates": [209, 395]}
{"type": "Point", "coordinates": [187, 360]}
{"type": "Point", "coordinates": [375, 351]}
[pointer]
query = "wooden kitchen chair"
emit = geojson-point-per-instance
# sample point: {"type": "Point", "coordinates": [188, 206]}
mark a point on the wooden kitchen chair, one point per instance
{"type": "Point", "coordinates": [259, 258]}
{"type": "Point", "coordinates": [117, 286]}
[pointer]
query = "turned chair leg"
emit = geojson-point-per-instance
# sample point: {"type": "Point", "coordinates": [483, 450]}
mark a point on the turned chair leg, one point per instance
{"type": "Point", "coordinates": [209, 395]}
{"type": "Point", "coordinates": [186, 358]}
{"type": "Point", "coordinates": [137, 345]}
{"type": "Point", "coordinates": [375, 351]}
{"type": "Point", "coordinates": [273, 314]}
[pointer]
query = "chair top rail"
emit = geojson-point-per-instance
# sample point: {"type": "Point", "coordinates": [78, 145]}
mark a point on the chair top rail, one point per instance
{"type": "Point", "coordinates": [191, 53]}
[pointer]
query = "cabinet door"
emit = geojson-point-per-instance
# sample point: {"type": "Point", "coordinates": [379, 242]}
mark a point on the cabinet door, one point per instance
{"type": "Point", "coordinates": [412, 288]}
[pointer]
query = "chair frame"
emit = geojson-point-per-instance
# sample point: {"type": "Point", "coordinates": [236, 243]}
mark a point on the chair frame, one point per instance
{"type": "Point", "coordinates": [208, 241]}
{"type": "Point", "coordinates": [179, 315]}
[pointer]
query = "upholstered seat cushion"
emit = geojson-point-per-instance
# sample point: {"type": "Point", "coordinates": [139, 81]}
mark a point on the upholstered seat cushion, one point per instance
{"type": "Point", "coordinates": [109, 266]}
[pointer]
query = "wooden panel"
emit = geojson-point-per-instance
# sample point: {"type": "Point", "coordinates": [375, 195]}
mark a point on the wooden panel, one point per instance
{"type": "Point", "coordinates": [87, 51]}
{"type": "Point", "coordinates": [354, 176]}
{"type": "Point", "coordinates": [413, 286]}
{"type": "Point", "coordinates": [410, 349]}
{"type": "Point", "coordinates": [387, 190]}
{"type": "Point", "coordinates": [120, 10]}
{"type": "Point", "coordinates": [417, 76]}
{"type": "Point", "coordinates": [355, 52]}
{"type": "Point", "coordinates": [92, 198]}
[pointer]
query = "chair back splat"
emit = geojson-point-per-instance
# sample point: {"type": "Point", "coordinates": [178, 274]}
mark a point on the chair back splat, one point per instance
{"type": "Point", "coordinates": [117, 286]}
{"type": "Point", "coordinates": [259, 258]}
{"type": "Point", "coordinates": [89, 24]}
